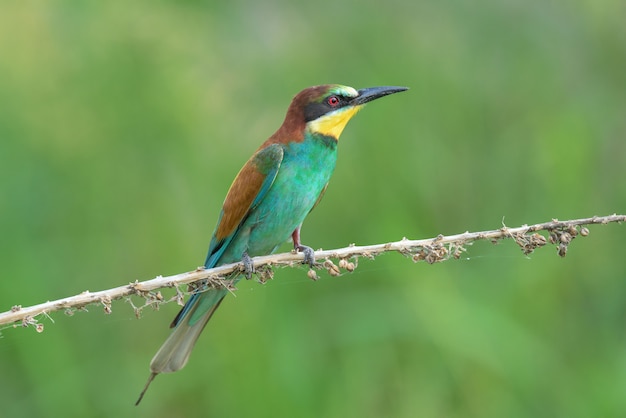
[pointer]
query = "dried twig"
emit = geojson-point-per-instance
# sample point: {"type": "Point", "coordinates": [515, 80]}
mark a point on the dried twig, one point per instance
{"type": "Point", "coordinates": [432, 250]}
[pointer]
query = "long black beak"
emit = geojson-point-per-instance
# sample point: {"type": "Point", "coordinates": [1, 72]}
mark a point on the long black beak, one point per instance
{"type": "Point", "coordinates": [373, 93]}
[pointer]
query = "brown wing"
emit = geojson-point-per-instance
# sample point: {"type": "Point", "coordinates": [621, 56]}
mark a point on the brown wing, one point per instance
{"type": "Point", "coordinates": [247, 191]}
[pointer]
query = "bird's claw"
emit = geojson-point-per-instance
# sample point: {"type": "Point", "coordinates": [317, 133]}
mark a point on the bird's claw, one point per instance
{"type": "Point", "coordinates": [248, 266]}
{"type": "Point", "coordinates": [309, 254]}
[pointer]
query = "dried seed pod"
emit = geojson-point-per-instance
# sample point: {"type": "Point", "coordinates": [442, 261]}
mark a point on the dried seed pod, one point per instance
{"type": "Point", "coordinates": [584, 231]}
{"type": "Point", "coordinates": [431, 258]}
{"type": "Point", "coordinates": [565, 238]}
{"type": "Point", "coordinates": [435, 254]}
{"type": "Point", "coordinates": [562, 250]}
{"type": "Point", "coordinates": [419, 256]}
{"type": "Point", "coordinates": [312, 275]}
{"type": "Point", "coordinates": [264, 273]}
{"type": "Point", "coordinates": [334, 271]}
{"type": "Point", "coordinates": [553, 237]}
{"type": "Point", "coordinates": [538, 239]}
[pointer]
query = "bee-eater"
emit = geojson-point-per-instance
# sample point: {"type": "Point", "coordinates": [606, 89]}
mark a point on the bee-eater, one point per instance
{"type": "Point", "coordinates": [268, 201]}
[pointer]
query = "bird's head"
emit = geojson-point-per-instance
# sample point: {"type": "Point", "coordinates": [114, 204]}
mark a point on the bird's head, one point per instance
{"type": "Point", "coordinates": [325, 110]}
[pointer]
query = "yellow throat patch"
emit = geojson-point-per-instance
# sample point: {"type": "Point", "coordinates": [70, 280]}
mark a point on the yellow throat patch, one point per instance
{"type": "Point", "coordinates": [332, 124]}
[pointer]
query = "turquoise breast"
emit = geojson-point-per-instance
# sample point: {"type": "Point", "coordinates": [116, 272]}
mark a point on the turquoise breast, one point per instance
{"type": "Point", "coordinates": [304, 173]}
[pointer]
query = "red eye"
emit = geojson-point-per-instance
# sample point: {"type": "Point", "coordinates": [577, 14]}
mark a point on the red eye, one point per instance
{"type": "Point", "coordinates": [333, 101]}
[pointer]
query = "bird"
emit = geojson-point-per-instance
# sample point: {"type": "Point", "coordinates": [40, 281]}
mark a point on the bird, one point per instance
{"type": "Point", "coordinates": [268, 201]}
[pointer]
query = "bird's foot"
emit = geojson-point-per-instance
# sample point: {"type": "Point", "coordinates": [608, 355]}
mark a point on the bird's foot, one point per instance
{"type": "Point", "coordinates": [248, 266]}
{"type": "Point", "coordinates": [309, 254]}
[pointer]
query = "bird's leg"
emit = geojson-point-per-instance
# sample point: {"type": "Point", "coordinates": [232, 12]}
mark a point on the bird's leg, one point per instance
{"type": "Point", "coordinates": [309, 254]}
{"type": "Point", "coordinates": [248, 265]}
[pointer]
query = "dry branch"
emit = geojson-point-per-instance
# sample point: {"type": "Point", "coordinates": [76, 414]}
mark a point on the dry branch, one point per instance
{"type": "Point", "coordinates": [440, 248]}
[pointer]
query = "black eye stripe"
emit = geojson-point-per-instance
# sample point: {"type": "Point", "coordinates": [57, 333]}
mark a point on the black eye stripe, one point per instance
{"type": "Point", "coordinates": [313, 111]}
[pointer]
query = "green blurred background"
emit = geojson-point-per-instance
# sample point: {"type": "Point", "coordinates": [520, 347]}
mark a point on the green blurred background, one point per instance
{"type": "Point", "coordinates": [122, 125]}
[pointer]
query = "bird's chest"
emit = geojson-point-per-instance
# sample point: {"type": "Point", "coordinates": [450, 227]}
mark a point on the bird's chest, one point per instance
{"type": "Point", "coordinates": [304, 173]}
